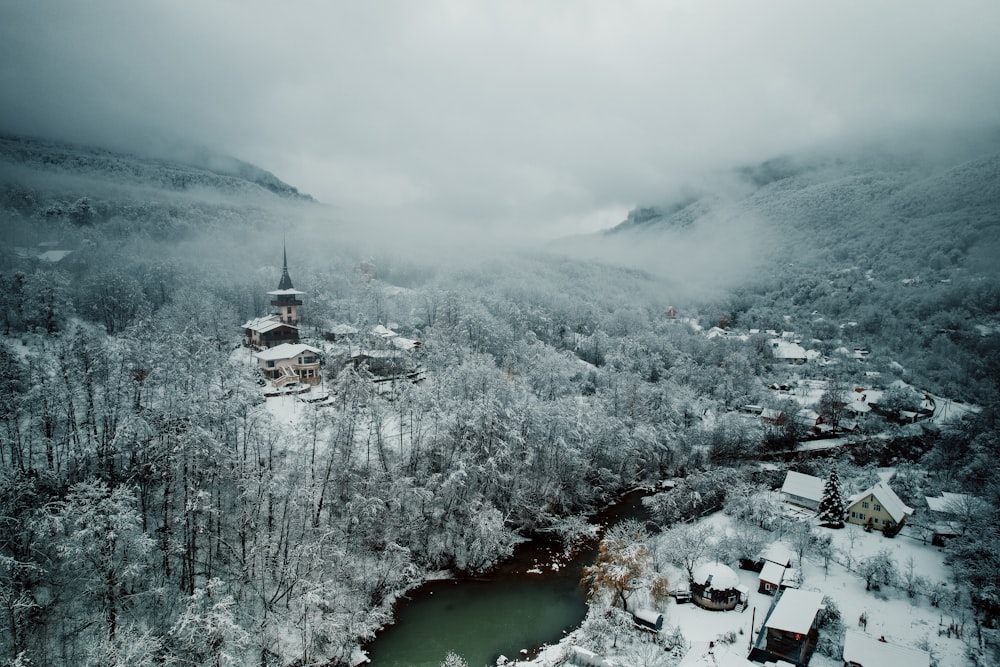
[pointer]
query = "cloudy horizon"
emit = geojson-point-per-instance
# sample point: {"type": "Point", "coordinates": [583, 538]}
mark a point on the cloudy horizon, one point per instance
{"type": "Point", "coordinates": [541, 118]}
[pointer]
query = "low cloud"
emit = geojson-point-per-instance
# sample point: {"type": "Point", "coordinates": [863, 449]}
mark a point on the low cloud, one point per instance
{"type": "Point", "coordinates": [516, 120]}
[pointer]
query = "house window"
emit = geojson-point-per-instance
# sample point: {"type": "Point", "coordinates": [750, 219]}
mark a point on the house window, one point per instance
{"type": "Point", "coordinates": [864, 505]}
{"type": "Point", "coordinates": [854, 515]}
{"type": "Point", "coordinates": [861, 515]}
{"type": "Point", "coordinates": [288, 310]}
{"type": "Point", "coordinates": [270, 364]}
{"type": "Point", "coordinates": [878, 508]}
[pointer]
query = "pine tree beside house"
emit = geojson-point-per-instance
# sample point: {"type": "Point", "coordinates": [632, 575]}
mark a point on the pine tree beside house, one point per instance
{"type": "Point", "coordinates": [831, 505]}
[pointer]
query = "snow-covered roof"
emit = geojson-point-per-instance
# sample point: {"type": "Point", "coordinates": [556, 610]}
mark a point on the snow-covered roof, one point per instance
{"type": "Point", "coordinates": [783, 349]}
{"type": "Point", "coordinates": [53, 255]}
{"type": "Point", "coordinates": [795, 611]}
{"type": "Point", "coordinates": [803, 486]}
{"type": "Point", "coordinates": [867, 651]}
{"type": "Point", "coordinates": [285, 292]}
{"type": "Point", "coordinates": [384, 332]}
{"type": "Point", "coordinates": [890, 502]}
{"type": "Point", "coordinates": [772, 572]}
{"type": "Point", "coordinates": [376, 354]}
{"type": "Point", "coordinates": [770, 414]}
{"type": "Point", "coordinates": [266, 323]}
{"type": "Point", "coordinates": [948, 503]}
{"type": "Point", "coordinates": [716, 576]}
{"type": "Point", "coordinates": [648, 615]}
{"type": "Point", "coordinates": [342, 329]}
{"type": "Point", "coordinates": [405, 343]}
{"type": "Point", "coordinates": [776, 552]}
{"type": "Point", "coordinates": [285, 351]}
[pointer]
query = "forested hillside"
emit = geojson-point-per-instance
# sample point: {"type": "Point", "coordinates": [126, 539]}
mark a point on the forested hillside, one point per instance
{"type": "Point", "coordinates": [903, 244]}
{"type": "Point", "coordinates": [156, 510]}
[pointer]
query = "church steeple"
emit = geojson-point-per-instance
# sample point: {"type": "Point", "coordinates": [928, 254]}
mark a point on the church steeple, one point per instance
{"type": "Point", "coordinates": [286, 297]}
{"type": "Point", "coordinates": [286, 280]}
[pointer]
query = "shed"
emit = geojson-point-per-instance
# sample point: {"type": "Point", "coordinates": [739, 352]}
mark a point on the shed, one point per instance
{"type": "Point", "coordinates": [803, 490]}
{"type": "Point", "coordinates": [770, 578]}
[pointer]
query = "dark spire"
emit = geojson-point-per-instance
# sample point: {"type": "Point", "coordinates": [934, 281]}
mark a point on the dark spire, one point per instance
{"type": "Point", "coordinates": [286, 281]}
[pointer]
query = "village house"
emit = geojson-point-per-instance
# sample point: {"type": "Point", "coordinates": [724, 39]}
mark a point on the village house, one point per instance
{"type": "Point", "coordinates": [715, 586]}
{"type": "Point", "coordinates": [802, 490]}
{"type": "Point", "coordinates": [281, 326]}
{"type": "Point", "coordinates": [772, 417]}
{"type": "Point", "coordinates": [788, 352]}
{"type": "Point", "coordinates": [290, 362]}
{"type": "Point", "coordinates": [878, 507]}
{"type": "Point", "coordinates": [950, 513]}
{"type": "Point", "coordinates": [863, 650]}
{"type": "Point", "coordinates": [790, 631]}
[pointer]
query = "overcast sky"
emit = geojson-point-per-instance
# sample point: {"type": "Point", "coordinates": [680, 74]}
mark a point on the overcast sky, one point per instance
{"type": "Point", "coordinates": [550, 117]}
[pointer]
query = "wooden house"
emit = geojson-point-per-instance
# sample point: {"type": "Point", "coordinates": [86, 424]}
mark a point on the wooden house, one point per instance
{"type": "Point", "coordinates": [771, 417]}
{"type": "Point", "coordinates": [770, 578]}
{"type": "Point", "coordinates": [790, 631]}
{"type": "Point", "coordinates": [950, 513]}
{"type": "Point", "coordinates": [268, 331]}
{"type": "Point", "coordinates": [878, 507]}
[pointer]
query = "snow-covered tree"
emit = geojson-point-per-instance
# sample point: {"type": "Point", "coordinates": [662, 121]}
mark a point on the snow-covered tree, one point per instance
{"type": "Point", "coordinates": [686, 545]}
{"type": "Point", "coordinates": [878, 570]}
{"type": "Point", "coordinates": [454, 660]}
{"type": "Point", "coordinates": [831, 505]}
{"type": "Point", "coordinates": [622, 563]}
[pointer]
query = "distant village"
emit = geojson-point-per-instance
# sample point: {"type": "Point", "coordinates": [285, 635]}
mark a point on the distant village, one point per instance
{"type": "Point", "coordinates": [289, 366]}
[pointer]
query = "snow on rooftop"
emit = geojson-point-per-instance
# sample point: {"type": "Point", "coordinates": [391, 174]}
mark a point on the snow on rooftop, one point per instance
{"type": "Point", "coordinates": [949, 503]}
{"type": "Point", "coordinates": [772, 573]}
{"type": "Point", "coordinates": [266, 323]}
{"type": "Point", "coordinates": [285, 292]}
{"type": "Point", "coordinates": [777, 552]}
{"type": "Point", "coordinates": [53, 255]}
{"type": "Point", "coordinates": [795, 611]}
{"type": "Point", "coordinates": [803, 486]}
{"type": "Point", "coordinates": [890, 502]}
{"type": "Point", "coordinates": [285, 351]}
{"type": "Point", "coordinates": [866, 650]}
{"type": "Point", "coordinates": [716, 576]}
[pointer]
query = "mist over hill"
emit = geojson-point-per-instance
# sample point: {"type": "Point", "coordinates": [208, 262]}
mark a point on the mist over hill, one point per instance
{"type": "Point", "coordinates": [551, 379]}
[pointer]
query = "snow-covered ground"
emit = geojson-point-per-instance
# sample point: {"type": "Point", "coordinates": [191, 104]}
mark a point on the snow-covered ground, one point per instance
{"type": "Point", "coordinates": [891, 613]}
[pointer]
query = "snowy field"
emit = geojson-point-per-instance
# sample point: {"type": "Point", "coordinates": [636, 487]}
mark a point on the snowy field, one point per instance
{"type": "Point", "coordinates": [891, 613]}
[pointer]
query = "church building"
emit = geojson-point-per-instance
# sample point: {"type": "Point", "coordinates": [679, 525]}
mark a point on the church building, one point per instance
{"type": "Point", "coordinates": [281, 326]}
{"type": "Point", "coordinates": [282, 359]}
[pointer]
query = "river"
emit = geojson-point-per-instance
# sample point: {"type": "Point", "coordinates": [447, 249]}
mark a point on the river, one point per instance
{"type": "Point", "coordinates": [530, 600]}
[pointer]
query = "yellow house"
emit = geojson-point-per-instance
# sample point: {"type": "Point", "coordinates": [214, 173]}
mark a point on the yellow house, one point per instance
{"type": "Point", "coordinates": [878, 507]}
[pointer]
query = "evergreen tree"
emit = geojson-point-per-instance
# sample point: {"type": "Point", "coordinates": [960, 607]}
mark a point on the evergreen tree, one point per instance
{"type": "Point", "coordinates": [831, 505]}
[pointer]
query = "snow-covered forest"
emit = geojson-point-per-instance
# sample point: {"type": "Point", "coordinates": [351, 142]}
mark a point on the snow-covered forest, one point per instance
{"type": "Point", "coordinates": [157, 509]}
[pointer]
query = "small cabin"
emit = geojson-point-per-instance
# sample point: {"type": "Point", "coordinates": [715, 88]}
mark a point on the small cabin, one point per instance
{"type": "Point", "coordinates": [791, 629]}
{"type": "Point", "coordinates": [717, 587]}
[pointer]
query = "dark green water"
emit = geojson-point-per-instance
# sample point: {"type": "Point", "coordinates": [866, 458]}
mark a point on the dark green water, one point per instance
{"type": "Point", "coordinates": [500, 614]}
